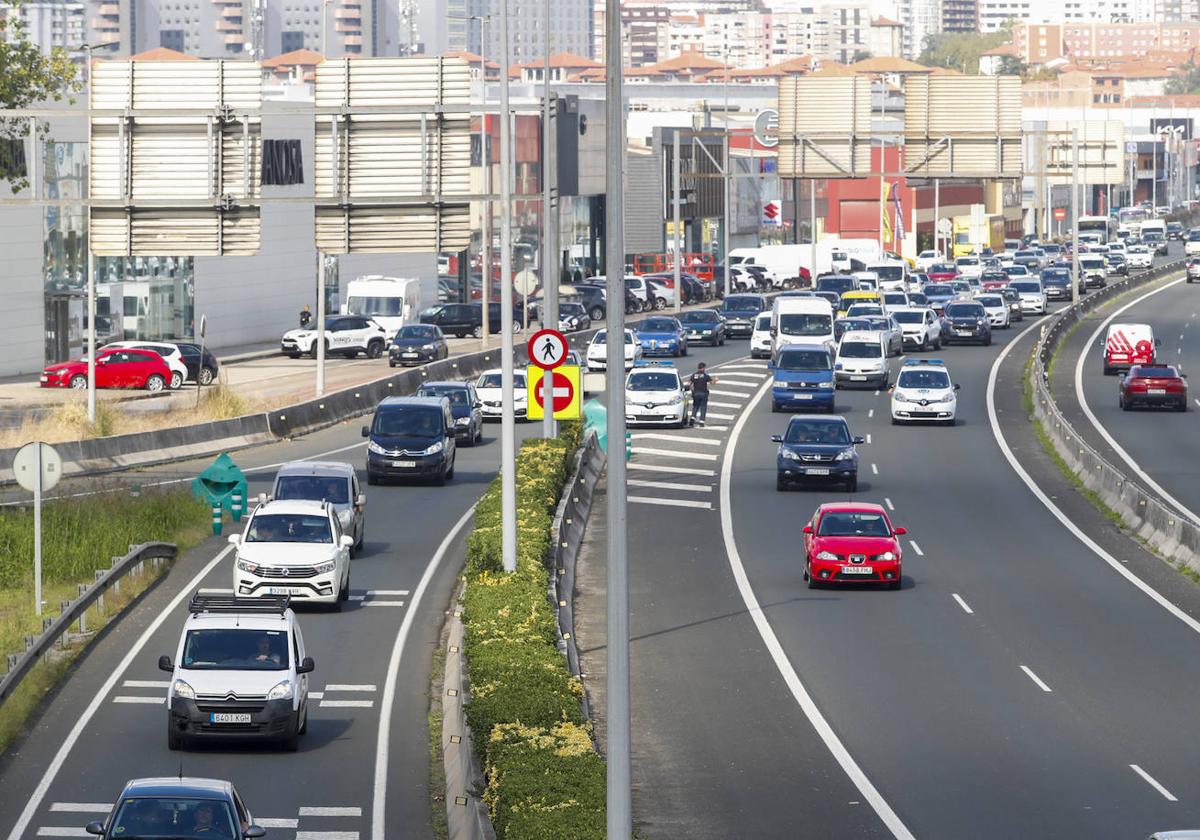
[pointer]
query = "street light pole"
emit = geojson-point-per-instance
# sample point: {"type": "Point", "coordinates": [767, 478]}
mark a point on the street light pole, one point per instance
{"type": "Point", "coordinates": [88, 272]}
{"type": "Point", "coordinates": [1074, 215]}
{"type": "Point", "coordinates": [728, 183]}
{"type": "Point", "coordinates": [485, 161]}
{"type": "Point", "coordinates": [549, 224]}
{"type": "Point", "coordinates": [676, 198]}
{"type": "Point", "coordinates": [508, 454]}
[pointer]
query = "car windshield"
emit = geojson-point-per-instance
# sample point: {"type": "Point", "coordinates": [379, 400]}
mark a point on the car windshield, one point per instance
{"type": "Point", "coordinates": [967, 261]}
{"type": "Point", "coordinates": [860, 350]}
{"type": "Point", "coordinates": [235, 649]}
{"type": "Point", "coordinates": [937, 289]}
{"type": "Point", "coordinates": [289, 527]}
{"type": "Point", "coordinates": [829, 432]}
{"type": "Point", "coordinates": [964, 310]}
{"type": "Point", "coordinates": [763, 323]}
{"type": "Point", "coordinates": [853, 524]}
{"type": "Point", "coordinates": [658, 325]}
{"type": "Point", "coordinates": [456, 396]}
{"type": "Point", "coordinates": [895, 298]}
{"type": "Point", "coordinates": [178, 818]}
{"type": "Point", "coordinates": [416, 334]}
{"type": "Point", "coordinates": [570, 308]}
{"type": "Point", "coordinates": [658, 380]}
{"type": "Point", "coordinates": [735, 304]}
{"type": "Point", "coordinates": [1026, 286]}
{"type": "Point", "coordinates": [602, 338]}
{"type": "Point", "coordinates": [803, 360]}
{"type": "Point", "coordinates": [909, 316]}
{"type": "Point", "coordinates": [917, 299]}
{"type": "Point", "coordinates": [313, 488]}
{"type": "Point", "coordinates": [410, 421]}
{"type": "Point", "coordinates": [798, 323]}
{"type": "Point", "coordinates": [862, 310]}
{"type": "Point", "coordinates": [492, 380]}
{"type": "Point", "coordinates": [923, 379]}
{"type": "Point", "coordinates": [705, 316]}
{"type": "Point", "coordinates": [1056, 276]}
{"type": "Point", "coordinates": [1091, 262]}
{"type": "Point", "coordinates": [1152, 236]}
{"type": "Point", "coordinates": [836, 284]}
{"type": "Point", "coordinates": [386, 306]}
{"type": "Point", "coordinates": [990, 300]}
{"type": "Point", "coordinates": [1015, 270]}
{"type": "Point", "coordinates": [889, 272]}
{"type": "Point", "coordinates": [431, 311]}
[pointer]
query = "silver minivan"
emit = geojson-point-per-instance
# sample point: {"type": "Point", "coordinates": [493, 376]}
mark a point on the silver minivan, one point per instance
{"type": "Point", "coordinates": [335, 482]}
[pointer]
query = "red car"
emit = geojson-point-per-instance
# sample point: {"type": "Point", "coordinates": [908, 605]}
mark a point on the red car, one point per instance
{"type": "Point", "coordinates": [118, 368]}
{"type": "Point", "coordinates": [1153, 385]}
{"type": "Point", "coordinates": [851, 543]}
{"type": "Point", "coordinates": [990, 281]}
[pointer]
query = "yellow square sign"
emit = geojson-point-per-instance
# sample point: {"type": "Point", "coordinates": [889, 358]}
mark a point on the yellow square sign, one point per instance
{"type": "Point", "coordinates": [566, 393]}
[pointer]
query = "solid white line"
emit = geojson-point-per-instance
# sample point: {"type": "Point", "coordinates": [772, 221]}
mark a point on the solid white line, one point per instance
{"type": "Point", "coordinates": [1036, 679]}
{"type": "Point", "coordinates": [82, 807]}
{"type": "Point", "coordinates": [671, 453]}
{"type": "Point", "coordinates": [998, 433]}
{"type": "Point", "coordinates": [916, 547]}
{"type": "Point", "coordinates": [799, 692]}
{"type": "Point", "coordinates": [348, 687]}
{"type": "Point", "coordinates": [874, 469]}
{"type": "Point", "coordinates": [347, 704]}
{"type": "Point", "coordinates": [889, 504]}
{"type": "Point", "coordinates": [383, 603]}
{"type": "Point", "coordinates": [649, 500]}
{"type": "Point", "coordinates": [679, 438]}
{"type": "Point", "coordinates": [1099, 427]}
{"type": "Point", "coordinates": [671, 470]}
{"type": "Point", "coordinates": [387, 591]}
{"type": "Point", "coordinates": [962, 603]}
{"type": "Point", "coordinates": [1150, 780]}
{"type": "Point", "coordinates": [55, 831]}
{"type": "Point", "coordinates": [388, 701]}
{"type": "Point", "coordinates": [276, 823]}
{"type": "Point", "coordinates": [316, 811]}
{"type": "Point", "coordinates": [149, 701]}
{"type": "Point", "coordinates": [85, 719]}
{"type": "Point", "coordinates": [668, 485]}
{"type": "Point", "coordinates": [146, 684]}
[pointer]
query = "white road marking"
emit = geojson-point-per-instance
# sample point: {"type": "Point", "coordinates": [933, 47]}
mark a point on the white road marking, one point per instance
{"type": "Point", "coordinates": [916, 547]}
{"type": "Point", "coordinates": [1150, 780]}
{"type": "Point", "coordinates": [1037, 680]}
{"type": "Point", "coordinates": [998, 433]}
{"type": "Point", "coordinates": [834, 744]}
{"type": "Point", "coordinates": [874, 469]}
{"type": "Point", "coordinates": [659, 468]}
{"type": "Point", "coordinates": [889, 504]}
{"type": "Point", "coordinates": [315, 695]}
{"type": "Point", "coordinates": [270, 822]}
{"type": "Point", "coordinates": [146, 684]}
{"type": "Point", "coordinates": [877, 392]}
{"type": "Point", "coordinates": [712, 415]}
{"type": "Point", "coordinates": [962, 603]}
{"type": "Point", "coordinates": [313, 811]}
{"type": "Point", "coordinates": [328, 835]}
{"type": "Point", "coordinates": [149, 701]}
{"type": "Point", "coordinates": [667, 485]}
{"type": "Point", "coordinates": [56, 831]}
{"type": "Point", "coordinates": [747, 387]}
{"type": "Point", "coordinates": [679, 438]}
{"type": "Point", "coordinates": [383, 603]}
{"type": "Point", "coordinates": [671, 453]}
{"type": "Point", "coordinates": [712, 404]}
{"type": "Point", "coordinates": [349, 687]}
{"type": "Point", "coordinates": [347, 704]}
{"type": "Point", "coordinates": [871, 413]}
{"type": "Point", "coordinates": [725, 393]}
{"type": "Point", "coordinates": [81, 807]}
{"type": "Point", "coordinates": [383, 735]}
{"type": "Point", "coordinates": [650, 500]}
{"type": "Point", "coordinates": [754, 378]}
{"type": "Point", "coordinates": [387, 591]}
{"type": "Point", "coordinates": [868, 437]}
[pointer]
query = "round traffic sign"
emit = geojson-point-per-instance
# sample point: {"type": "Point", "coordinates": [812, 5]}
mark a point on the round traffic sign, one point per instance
{"type": "Point", "coordinates": [26, 463]}
{"type": "Point", "coordinates": [564, 391]}
{"type": "Point", "coordinates": [944, 226]}
{"type": "Point", "coordinates": [547, 349]}
{"type": "Point", "coordinates": [525, 282]}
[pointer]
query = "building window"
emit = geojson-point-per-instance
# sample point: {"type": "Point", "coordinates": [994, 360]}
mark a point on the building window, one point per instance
{"type": "Point", "coordinates": [292, 41]}
{"type": "Point", "coordinates": [172, 39]}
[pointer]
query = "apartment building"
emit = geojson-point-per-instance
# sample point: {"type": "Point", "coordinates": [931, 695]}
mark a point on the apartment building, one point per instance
{"type": "Point", "coordinates": [1039, 43]}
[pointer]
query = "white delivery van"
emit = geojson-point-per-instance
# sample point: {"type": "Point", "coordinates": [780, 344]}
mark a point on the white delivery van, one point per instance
{"type": "Point", "coordinates": [801, 320]}
{"type": "Point", "coordinates": [391, 302]}
{"type": "Point", "coordinates": [892, 275]}
{"type": "Point", "coordinates": [1127, 345]}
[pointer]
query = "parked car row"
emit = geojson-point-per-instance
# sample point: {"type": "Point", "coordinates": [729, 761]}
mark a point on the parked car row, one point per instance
{"type": "Point", "coordinates": [149, 365]}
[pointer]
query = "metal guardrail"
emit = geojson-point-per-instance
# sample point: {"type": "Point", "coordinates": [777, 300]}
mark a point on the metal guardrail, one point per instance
{"type": "Point", "coordinates": [57, 630]}
{"type": "Point", "coordinates": [1172, 534]}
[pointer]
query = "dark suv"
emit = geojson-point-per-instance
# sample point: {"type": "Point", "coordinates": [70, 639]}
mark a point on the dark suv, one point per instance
{"type": "Point", "coordinates": [966, 321]}
{"type": "Point", "coordinates": [816, 449]}
{"type": "Point", "coordinates": [411, 437]}
{"type": "Point", "coordinates": [464, 319]}
{"type": "Point", "coordinates": [740, 311]}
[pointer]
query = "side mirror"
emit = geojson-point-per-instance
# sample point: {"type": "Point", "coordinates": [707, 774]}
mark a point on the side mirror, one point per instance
{"type": "Point", "coordinates": [477, 404]}
{"type": "Point", "coordinates": [255, 831]}
{"type": "Point", "coordinates": [346, 541]}
{"type": "Point", "coordinates": [900, 532]}
{"type": "Point", "coordinates": [234, 539]}
{"type": "Point", "coordinates": [366, 431]}
{"type": "Point", "coordinates": [859, 439]}
{"type": "Point", "coordinates": [771, 365]}
{"type": "Point", "coordinates": [361, 501]}
{"type": "Point", "coordinates": [95, 827]}
{"type": "Point", "coordinates": [777, 438]}
{"type": "Point", "coordinates": [164, 664]}
{"type": "Point", "coordinates": [306, 666]}
{"type": "Point", "coordinates": [957, 386]}
{"type": "Point", "coordinates": [808, 529]}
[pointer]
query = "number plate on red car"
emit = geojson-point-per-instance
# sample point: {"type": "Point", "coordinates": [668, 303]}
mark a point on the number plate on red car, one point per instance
{"type": "Point", "coordinates": [857, 570]}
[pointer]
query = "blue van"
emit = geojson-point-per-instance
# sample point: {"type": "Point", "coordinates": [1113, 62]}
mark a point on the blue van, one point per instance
{"type": "Point", "coordinates": [803, 378]}
{"type": "Point", "coordinates": [411, 437]}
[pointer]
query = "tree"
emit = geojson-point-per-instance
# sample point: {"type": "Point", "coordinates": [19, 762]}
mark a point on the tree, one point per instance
{"type": "Point", "coordinates": [1185, 81]}
{"type": "Point", "coordinates": [29, 77]}
{"type": "Point", "coordinates": [959, 50]}
{"type": "Point", "coordinates": [861, 55]}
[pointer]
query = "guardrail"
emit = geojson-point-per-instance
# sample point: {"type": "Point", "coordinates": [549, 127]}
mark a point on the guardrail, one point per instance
{"type": "Point", "coordinates": [57, 630]}
{"type": "Point", "coordinates": [1169, 532]}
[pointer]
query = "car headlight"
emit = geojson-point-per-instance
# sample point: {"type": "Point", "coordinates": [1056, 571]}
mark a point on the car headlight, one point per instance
{"type": "Point", "coordinates": [372, 446]}
{"type": "Point", "coordinates": [789, 454]}
{"type": "Point", "coordinates": [826, 555]}
{"type": "Point", "coordinates": [428, 347]}
{"type": "Point", "coordinates": [981, 321]}
{"type": "Point", "coordinates": [706, 332]}
{"type": "Point", "coordinates": [247, 566]}
{"type": "Point", "coordinates": [845, 454]}
{"type": "Point", "coordinates": [886, 557]}
{"type": "Point", "coordinates": [435, 449]}
{"type": "Point", "coordinates": [182, 690]}
{"type": "Point", "coordinates": [282, 691]}
{"type": "Point", "coordinates": [675, 400]}
{"type": "Point", "coordinates": [944, 398]}
{"type": "Point", "coordinates": [825, 385]}
{"type": "Point", "coordinates": [899, 396]}
{"type": "Point", "coordinates": [326, 567]}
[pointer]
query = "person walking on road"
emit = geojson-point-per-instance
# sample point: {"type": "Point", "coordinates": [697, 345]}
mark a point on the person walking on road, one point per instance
{"type": "Point", "coordinates": [699, 382]}
{"type": "Point", "coordinates": [305, 317]}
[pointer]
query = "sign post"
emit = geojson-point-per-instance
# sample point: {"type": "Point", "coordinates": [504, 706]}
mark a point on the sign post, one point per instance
{"type": "Point", "coordinates": [37, 467]}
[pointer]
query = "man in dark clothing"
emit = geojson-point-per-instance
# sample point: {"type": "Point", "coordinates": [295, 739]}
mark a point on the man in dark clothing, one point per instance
{"type": "Point", "coordinates": [699, 382]}
{"type": "Point", "coordinates": [305, 317]}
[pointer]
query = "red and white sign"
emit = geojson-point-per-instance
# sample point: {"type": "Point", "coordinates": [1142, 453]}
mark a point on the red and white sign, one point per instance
{"type": "Point", "coordinates": [1060, 213]}
{"type": "Point", "coordinates": [564, 391]}
{"type": "Point", "coordinates": [772, 214]}
{"type": "Point", "coordinates": [547, 349]}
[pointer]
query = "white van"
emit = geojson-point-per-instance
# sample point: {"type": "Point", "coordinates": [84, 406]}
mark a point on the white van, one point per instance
{"type": "Point", "coordinates": [892, 276]}
{"type": "Point", "coordinates": [1128, 345]}
{"type": "Point", "coordinates": [801, 320]}
{"type": "Point", "coordinates": [392, 302]}
{"type": "Point", "coordinates": [862, 361]}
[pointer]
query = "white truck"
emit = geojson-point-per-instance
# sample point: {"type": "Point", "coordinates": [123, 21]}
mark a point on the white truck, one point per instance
{"type": "Point", "coordinates": [392, 302]}
{"type": "Point", "coordinates": [801, 320]}
{"type": "Point", "coordinates": [783, 262]}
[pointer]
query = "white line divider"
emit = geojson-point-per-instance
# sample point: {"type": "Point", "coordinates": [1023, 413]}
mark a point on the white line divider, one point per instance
{"type": "Point", "coordinates": [1099, 427]}
{"type": "Point", "coordinates": [326, 835]}
{"type": "Point", "coordinates": [81, 807]}
{"type": "Point", "coordinates": [1150, 780]}
{"type": "Point", "coordinates": [715, 404]}
{"type": "Point", "coordinates": [149, 701]}
{"type": "Point", "coordinates": [348, 687]}
{"type": "Point", "coordinates": [163, 684]}
{"type": "Point", "coordinates": [967, 609]}
{"type": "Point", "coordinates": [1036, 679]}
{"type": "Point", "coordinates": [807, 705]}
{"type": "Point", "coordinates": [916, 547]}
{"type": "Point", "coordinates": [650, 500]}
{"type": "Point", "coordinates": [329, 811]}
{"type": "Point", "coordinates": [85, 719]}
{"type": "Point", "coordinates": [384, 734]}
{"type": "Point", "coordinates": [347, 704]}
{"type": "Point", "coordinates": [61, 831]}
{"type": "Point", "coordinates": [682, 437]}
{"type": "Point", "coordinates": [659, 468]}
{"type": "Point", "coordinates": [671, 453]}
{"type": "Point", "coordinates": [669, 485]}
{"type": "Point", "coordinates": [276, 822]}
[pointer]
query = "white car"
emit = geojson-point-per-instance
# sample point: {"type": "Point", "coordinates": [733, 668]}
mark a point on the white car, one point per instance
{"type": "Point", "coordinates": [761, 343]}
{"type": "Point", "coordinates": [893, 301]}
{"type": "Point", "coordinates": [1191, 244]}
{"type": "Point", "coordinates": [171, 354]}
{"type": "Point", "coordinates": [597, 352]}
{"type": "Point", "coordinates": [491, 394]}
{"type": "Point", "coordinates": [862, 361]}
{"type": "Point", "coordinates": [996, 308]}
{"type": "Point", "coordinates": [924, 393]}
{"type": "Point", "coordinates": [634, 283]}
{"type": "Point", "coordinates": [295, 548]}
{"type": "Point", "coordinates": [348, 335]}
{"type": "Point", "coordinates": [1033, 297]}
{"type": "Point", "coordinates": [969, 266]}
{"type": "Point", "coordinates": [1140, 256]}
{"type": "Point", "coordinates": [925, 259]}
{"type": "Point", "coordinates": [654, 396]}
{"type": "Point", "coordinates": [1116, 247]}
{"type": "Point", "coordinates": [922, 328]}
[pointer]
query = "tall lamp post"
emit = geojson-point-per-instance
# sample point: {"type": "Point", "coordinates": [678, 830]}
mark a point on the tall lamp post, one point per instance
{"type": "Point", "coordinates": [549, 220]}
{"type": "Point", "coordinates": [508, 455]}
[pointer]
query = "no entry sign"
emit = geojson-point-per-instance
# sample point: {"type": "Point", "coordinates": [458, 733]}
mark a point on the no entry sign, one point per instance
{"type": "Point", "coordinates": [560, 386]}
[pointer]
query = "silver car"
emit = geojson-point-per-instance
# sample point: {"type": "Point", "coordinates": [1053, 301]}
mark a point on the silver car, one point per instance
{"type": "Point", "coordinates": [335, 482]}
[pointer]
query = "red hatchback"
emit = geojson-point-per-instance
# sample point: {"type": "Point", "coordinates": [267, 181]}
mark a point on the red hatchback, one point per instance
{"type": "Point", "coordinates": [1153, 385]}
{"type": "Point", "coordinates": [117, 368]}
{"type": "Point", "coordinates": [942, 272]}
{"type": "Point", "coordinates": [851, 543]}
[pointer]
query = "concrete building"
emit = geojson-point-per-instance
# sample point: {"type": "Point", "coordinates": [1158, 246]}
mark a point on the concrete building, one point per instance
{"type": "Point", "coordinates": [849, 30]}
{"type": "Point", "coordinates": [1042, 43]}
{"type": "Point", "coordinates": [570, 28]}
{"type": "Point", "coordinates": [885, 38]}
{"type": "Point", "coordinates": [793, 34]}
{"type": "Point", "coordinates": [920, 19]}
{"type": "Point", "coordinates": [739, 39]}
{"type": "Point", "coordinates": [49, 23]}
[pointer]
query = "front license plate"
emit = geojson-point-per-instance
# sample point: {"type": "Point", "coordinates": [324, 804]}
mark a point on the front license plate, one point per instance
{"type": "Point", "coordinates": [802, 396]}
{"type": "Point", "coordinates": [857, 570]}
{"type": "Point", "coordinates": [404, 463]}
{"type": "Point", "coordinates": [816, 471]}
{"type": "Point", "coordinates": [1154, 392]}
{"type": "Point", "coordinates": [409, 355]}
{"type": "Point", "coordinates": [229, 717]}
{"type": "Point", "coordinates": [858, 379]}
{"type": "Point", "coordinates": [284, 590]}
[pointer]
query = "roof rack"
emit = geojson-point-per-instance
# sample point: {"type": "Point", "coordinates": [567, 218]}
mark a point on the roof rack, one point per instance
{"type": "Point", "coordinates": [937, 362]}
{"type": "Point", "coordinates": [225, 601]}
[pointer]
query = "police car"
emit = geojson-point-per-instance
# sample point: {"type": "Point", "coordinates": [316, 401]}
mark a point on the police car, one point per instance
{"type": "Point", "coordinates": [924, 393]}
{"type": "Point", "coordinates": [654, 395]}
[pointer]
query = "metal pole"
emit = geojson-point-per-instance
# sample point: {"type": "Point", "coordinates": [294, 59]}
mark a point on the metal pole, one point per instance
{"type": "Point", "coordinates": [320, 346]}
{"type": "Point", "coordinates": [937, 212]}
{"type": "Point", "coordinates": [485, 159]}
{"type": "Point", "coordinates": [676, 198]}
{"type": "Point", "coordinates": [619, 799]}
{"type": "Point", "coordinates": [812, 233]}
{"type": "Point", "coordinates": [37, 529]}
{"type": "Point", "coordinates": [1074, 215]}
{"type": "Point", "coordinates": [549, 259]}
{"type": "Point", "coordinates": [1154, 174]}
{"type": "Point", "coordinates": [89, 272]}
{"type": "Point", "coordinates": [508, 453]}
{"type": "Point", "coordinates": [728, 208]}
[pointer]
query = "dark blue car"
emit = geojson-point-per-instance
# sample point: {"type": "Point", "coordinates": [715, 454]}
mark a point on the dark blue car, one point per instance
{"type": "Point", "coordinates": [818, 449]}
{"type": "Point", "coordinates": [939, 294]}
{"type": "Point", "coordinates": [464, 406]}
{"type": "Point", "coordinates": [803, 379]}
{"type": "Point", "coordinates": [178, 806]}
{"type": "Point", "coordinates": [662, 336]}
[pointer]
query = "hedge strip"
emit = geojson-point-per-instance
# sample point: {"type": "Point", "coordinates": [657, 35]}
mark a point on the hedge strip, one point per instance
{"type": "Point", "coordinates": [545, 779]}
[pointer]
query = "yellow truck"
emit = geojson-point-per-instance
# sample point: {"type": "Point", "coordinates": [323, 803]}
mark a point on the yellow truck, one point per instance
{"type": "Point", "coordinates": [977, 231]}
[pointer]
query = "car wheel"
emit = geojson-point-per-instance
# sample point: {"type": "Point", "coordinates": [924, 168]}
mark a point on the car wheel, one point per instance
{"type": "Point", "coordinates": [174, 737]}
{"type": "Point", "coordinates": [440, 481]}
{"type": "Point", "coordinates": [304, 722]}
{"type": "Point", "coordinates": [1183, 406]}
{"type": "Point", "coordinates": [391, 363]}
{"type": "Point", "coordinates": [176, 380]}
{"type": "Point", "coordinates": [291, 741]}
{"type": "Point", "coordinates": [775, 409]}
{"type": "Point", "coordinates": [516, 327]}
{"type": "Point", "coordinates": [479, 434]}
{"type": "Point", "coordinates": [596, 313]}
{"type": "Point", "coordinates": [895, 584]}
{"type": "Point", "coordinates": [374, 349]}
{"type": "Point", "coordinates": [154, 382]}
{"type": "Point", "coordinates": [206, 374]}
{"type": "Point", "coordinates": [344, 594]}
{"type": "Point", "coordinates": [78, 381]}
{"type": "Point", "coordinates": [812, 581]}
{"type": "Point", "coordinates": [289, 355]}
{"type": "Point", "coordinates": [1124, 404]}
{"type": "Point", "coordinates": [477, 332]}
{"type": "Point", "coordinates": [683, 352]}
{"type": "Point", "coordinates": [1108, 371]}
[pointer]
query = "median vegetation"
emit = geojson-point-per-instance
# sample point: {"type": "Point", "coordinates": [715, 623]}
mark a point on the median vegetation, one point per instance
{"type": "Point", "coordinates": [544, 777]}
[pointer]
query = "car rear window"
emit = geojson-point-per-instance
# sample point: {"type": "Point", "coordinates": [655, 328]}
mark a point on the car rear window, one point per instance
{"type": "Point", "coordinates": [1155, 372]}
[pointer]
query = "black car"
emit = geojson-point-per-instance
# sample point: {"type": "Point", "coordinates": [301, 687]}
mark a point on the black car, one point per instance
{"type": "Point", "coordinates": [573, 316]}
{"type": "Point", "coordinates": [703, 325]}
{"type": "Point", "coordinates": [739, 312]}
{"type": "Point", "coordinates": [464, 405]}
{"type": "Point", "coordinates": [592, 297]}
{"type": "Point", "coordinates": [178, 806]}
{"type": "Point", "coordinates": [1056, 283]}
{"type": "Point", "coordinates": [1013, 298]}
{"type": "Point", "coordinates": [464, 319]}
{"type": "Point", "coordinates": [840, 283]}
{"type": "Point", "coordinates": [411, 437]}
{"type": "Point", "coordinates": [1157, 241]}
{"type": "Point", "coordinates": [205, 372]}
{"type": "Point", "coordinates": [695, 290]}
{"type": "Point", "coordinates": [1116, 263]}
{"type": "Point", "coordinates": [966, 321]}
{"type": "Point", "coordinates": [416, 344]}
{"type": "Point", "coordinates": [1175, 231]}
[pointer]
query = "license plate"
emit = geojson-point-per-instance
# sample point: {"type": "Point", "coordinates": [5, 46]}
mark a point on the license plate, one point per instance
{"type": "Point", "coordinates": [802, 396]}
{"type": "Point", "coordinates": [1156, 391]}
{"type": "Point", "coordinates": [284, 590]}
{"type": "Point", "coordinates": [409, 355]}
{"type": "Point", "coordinates": [229, 717]}
{"type": "Point", "coordinates": [858, 379]}
{"type": "Point", "coordinates": [404, 463]}
{"type": "Point", "coordinates": [857, 570]}
{"type": "Point", "coordinates": [816, 471]}
{"type": "Point", "coordinates": [964, 332]}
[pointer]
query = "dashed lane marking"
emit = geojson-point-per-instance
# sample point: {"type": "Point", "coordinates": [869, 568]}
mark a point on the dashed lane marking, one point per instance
{"type": "Point", "coordinates": [60, 831]}
{"type": "Point", "coordinates": [81, 807]}
{"type": "Point", "coordinates": [726, 393]}
{"type": "Point", "coordinates": [349, 687]}
{"type": "Point", "coordinates": [670, 453]}
{"type": "Point", "coordinates": [889, 504]}
{"type": "Point", "coordinates": [716, 416]}
{"type": "Point", "coordinates": [1036, 679]}
{"type": "Point", "coordinates": [150, 701]}
{"type": "Point", "coordinates": [659, 468]}
{"type": "Point", "coordinates": [326, 835]}
{"type": "Point", "coordinates": [346, 704]}
{"type": "Point", "coordinates": [1150, 780]}
{"type": "Point", "coordinates": [648, 500]}
{"type": "Point", "coordinates": [680, 438]}
{"type": "Point", "coordinates": [668, 485]}
{"type": "Point", "coordinates": [871, 413]}
{"type": "Point", "coordinates": [916, 547]}
{"type": "Point", "coordinates": [962, 603]}
{"type": "Point", "coordinates": [874, 469]}
{"type": "Point", "coordinates": [272, 822]}
{"type": "Point", "coordinates": [146, 684]}
{"type": "Point", "coordinates": [316, 811]}
{"type": "Point", "coordinates": [712, 404]}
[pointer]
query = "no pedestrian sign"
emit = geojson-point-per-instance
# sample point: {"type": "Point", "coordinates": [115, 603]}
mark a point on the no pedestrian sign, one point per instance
{"type": "Point", "coordinates": [547, 349]}
{"type": "Point", "coordinates": [565, 392]}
